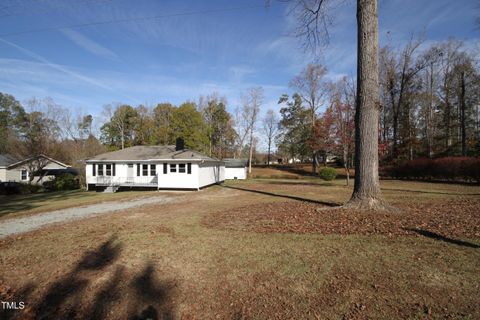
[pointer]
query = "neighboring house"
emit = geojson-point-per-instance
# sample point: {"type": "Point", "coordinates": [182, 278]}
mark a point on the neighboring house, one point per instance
{"type": "Point", "coordinates": [14, 169]}
{"type": "Point", "coordinates": [235, 169]}
{"type": "Point", "coordinates": [160, 167]}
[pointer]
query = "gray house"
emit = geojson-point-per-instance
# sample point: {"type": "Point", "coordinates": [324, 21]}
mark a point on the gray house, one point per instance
{"type": "Point", "coordinates": [15, 169]}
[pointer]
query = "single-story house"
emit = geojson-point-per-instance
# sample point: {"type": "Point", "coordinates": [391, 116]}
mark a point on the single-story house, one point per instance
{"type": "Point", "coordinates": [15, 169]}
{"type": "Point", "coordinates": [160, 167]}
{"type": "Point", "coordinates": [235, 168]}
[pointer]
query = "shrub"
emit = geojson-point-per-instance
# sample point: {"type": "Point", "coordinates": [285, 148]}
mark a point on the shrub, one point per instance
{"type": "Point", "coordinates": [18, 188]}
{"type": "Point", "coordinates": [445, 169]}
{"type": "Point", "coordinates": [328, 173]}
{"type": "Point", "coordinates": [64, 181]}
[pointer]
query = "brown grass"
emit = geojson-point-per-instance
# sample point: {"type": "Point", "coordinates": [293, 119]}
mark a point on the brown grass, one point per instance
{"type": "Point", "coordinates": [292, 171]}
{"type": "Point", "coordinates": [165, 261]}
{"type": "Point", "coordinates": [13, 206]}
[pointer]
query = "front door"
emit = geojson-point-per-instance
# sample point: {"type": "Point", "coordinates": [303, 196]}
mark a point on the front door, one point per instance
{"type": "Point", "coordinates": [130, 173]}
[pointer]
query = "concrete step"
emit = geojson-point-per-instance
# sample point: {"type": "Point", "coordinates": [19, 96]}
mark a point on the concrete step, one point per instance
{"type": "Point", "coordinates": [111, 189]}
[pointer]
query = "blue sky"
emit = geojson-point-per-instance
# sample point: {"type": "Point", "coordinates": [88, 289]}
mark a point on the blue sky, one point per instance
{"type": "Point", "coordinates": [193, 48]}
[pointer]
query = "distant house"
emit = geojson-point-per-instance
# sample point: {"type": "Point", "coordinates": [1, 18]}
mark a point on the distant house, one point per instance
{"type": "Point", "coordinates": [14, 169]}
{"type": "Point", "coordinates": [159, 167]}
{"type": "Point", "coordinates": [235, 169]}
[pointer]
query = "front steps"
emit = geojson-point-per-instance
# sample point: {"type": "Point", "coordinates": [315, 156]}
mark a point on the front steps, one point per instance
{"type": "Point", "coordinates": [111, 189]}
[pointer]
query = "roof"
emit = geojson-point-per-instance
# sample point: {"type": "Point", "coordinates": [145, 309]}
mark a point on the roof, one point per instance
{"type": "Point", "coordinates": [235, 163]}
{"type": "Point", "coordinates": [145, 153]}
{"type": "Point", "coordinates": [7, 159]}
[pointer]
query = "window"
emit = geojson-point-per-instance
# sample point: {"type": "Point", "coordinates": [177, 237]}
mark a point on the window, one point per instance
{"type": "Point", "coordinates": [138, 169]}
{"type": "Point", "coordinates": [173, 167]}
{"type": "Point", "coordinates": [165, 168]}
{"type": "Point", "coordinates": [153, 170]}
{"type": "Point", "coordinates": [94, 171]}
{"type": "Point", "coordinates": [144, 169]}
{"type": "Point", "coordinates": [181, 168]}
{"type": "Point", "coordinates": [130, 165]}
{"type": "Point", "coordinates": [24, 174]}
{"type": "Point", "coordinates": [108, 169]}
{"type": "Point", "coordinates": [113, 169]}
{"type": "Point", "coordinates": [189, 168]}
{"type": "Point", "coordinates": [100, 169]}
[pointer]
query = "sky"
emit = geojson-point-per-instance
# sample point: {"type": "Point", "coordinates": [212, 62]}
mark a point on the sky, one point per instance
{"type": "Point", "coordinates": [85, 54]}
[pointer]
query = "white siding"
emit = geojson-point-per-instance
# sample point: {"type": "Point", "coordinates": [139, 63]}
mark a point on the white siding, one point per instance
{"type": "Point", "coordinates": [168, 180]}
{"type": "Point", "coordinates": [15, 174]}
{"type": "Point", "coordinates": [3, 174]}
{"type": "Point", "coordinates": [178, 180]}
{"type": "Point", "coordinates": [122, 174]}
{"type": "Point", "coordinates": [236, 173]}
{"type": "Point", "coordinates": [210, 173]}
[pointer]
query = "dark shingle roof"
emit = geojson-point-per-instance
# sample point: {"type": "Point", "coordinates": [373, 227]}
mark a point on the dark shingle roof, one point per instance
{"type": "Point", "coordinates": [150, 153]}
{"type": "Point", "coordinates": [7, 159]}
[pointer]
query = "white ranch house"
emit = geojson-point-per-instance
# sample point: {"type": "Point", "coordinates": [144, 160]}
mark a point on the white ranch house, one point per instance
{"type": "Point", "coordinates": [160, 167]}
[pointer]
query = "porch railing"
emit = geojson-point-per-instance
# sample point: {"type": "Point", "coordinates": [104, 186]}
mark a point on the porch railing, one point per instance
{"type": "Point", "coordinates": [127, 181]}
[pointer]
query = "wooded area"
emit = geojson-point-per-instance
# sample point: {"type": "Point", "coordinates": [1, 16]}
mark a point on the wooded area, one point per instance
{"type": "Point", "coordinates": [429, 107]}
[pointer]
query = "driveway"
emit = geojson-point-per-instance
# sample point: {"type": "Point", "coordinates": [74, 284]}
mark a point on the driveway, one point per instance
{"type": "Point", "coordinates": [19, 225]}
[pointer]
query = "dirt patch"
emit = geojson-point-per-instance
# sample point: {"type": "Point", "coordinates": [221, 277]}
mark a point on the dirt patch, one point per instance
{"type": "Point", "coordinates": [455, 218]}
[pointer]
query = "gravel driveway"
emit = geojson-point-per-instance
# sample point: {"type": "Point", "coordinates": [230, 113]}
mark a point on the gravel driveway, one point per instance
{"type": "Point", "coordinates": [19, 225]}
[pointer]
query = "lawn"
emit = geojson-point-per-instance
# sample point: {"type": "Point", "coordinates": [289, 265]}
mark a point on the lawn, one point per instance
{"type": "Point", "coordinates": [12, 206]}
{"type": "Point", "coordinates": [257, 249]}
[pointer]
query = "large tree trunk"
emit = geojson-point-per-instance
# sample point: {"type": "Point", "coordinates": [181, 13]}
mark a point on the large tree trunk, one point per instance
{"type": "Point", "coordinates": [366, 193]}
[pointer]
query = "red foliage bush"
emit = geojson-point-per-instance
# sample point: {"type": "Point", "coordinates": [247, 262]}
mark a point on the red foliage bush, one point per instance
{"type": "Point", "coordinates": [450, 169]}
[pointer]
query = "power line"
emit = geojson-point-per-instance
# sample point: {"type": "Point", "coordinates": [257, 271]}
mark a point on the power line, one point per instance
{"type": "Point", "coordinates": [112, 21]}
{"type": "Point", "coordinates": [48, 9]}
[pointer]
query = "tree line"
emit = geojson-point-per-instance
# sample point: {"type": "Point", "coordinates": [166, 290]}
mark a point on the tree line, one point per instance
{"type": "Point", "coordinates": [429, 101]}
{"type": "Point", "coordinates": [41, 126]}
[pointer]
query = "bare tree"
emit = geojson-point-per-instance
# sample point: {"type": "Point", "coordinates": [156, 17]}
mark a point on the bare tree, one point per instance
{"type": "Point", "coordinates": [270, 128]}
{"type": "Point", "coordinates": [121, 120]}
{"type": "Point", "coordinates": [312, 88]}
{"type": "Point", "coordinates": [343, 101]}
{"type": "Point", "coordinates": [366, 193]}
{"type": "Point", "coordinates": [251, 102]}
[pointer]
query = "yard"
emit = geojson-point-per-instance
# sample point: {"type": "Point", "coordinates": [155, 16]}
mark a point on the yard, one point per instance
{"type": "Point", "coordinates": [255, 249]}
{"type": "Point", "coordinates": [13, 206]}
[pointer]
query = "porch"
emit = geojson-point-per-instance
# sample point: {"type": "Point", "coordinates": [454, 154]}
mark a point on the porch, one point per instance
{"type": "Point", "coordinates": [106, 181]}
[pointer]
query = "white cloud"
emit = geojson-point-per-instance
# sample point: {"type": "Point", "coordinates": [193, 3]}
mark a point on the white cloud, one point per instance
{"type": "Point", "coordinates": [89, 45]}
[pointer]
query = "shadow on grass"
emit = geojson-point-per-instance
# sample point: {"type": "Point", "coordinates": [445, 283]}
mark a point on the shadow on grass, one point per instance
{"type": "Point", "coordinates": [302, 183]}
{"type": "Point", "coordinates": [436, 236]}
{"type": "Point", "coordinates": [325, 203]}
{"type": "Point", "coordinates": [72, 296]}
{"type": "Point", "coordinates": [17, 203]}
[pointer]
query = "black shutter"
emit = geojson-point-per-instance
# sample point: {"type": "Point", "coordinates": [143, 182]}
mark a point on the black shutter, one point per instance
{"type": "Point", "coordinates": [165, 168]}
{"type": "Point", "coordinates": [94, 170]}
{"type": "Point", "coordinates": [138, 169]}
{"type": "Point", "coordinates": [113, 169]}
{"type": "Point", "coordinates": [189, 168]}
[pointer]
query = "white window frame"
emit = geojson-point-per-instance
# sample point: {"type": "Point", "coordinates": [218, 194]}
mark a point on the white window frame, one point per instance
{"type": "Point", "coordinates": [182, 169]}
{"type": "Point", "coordinates": [145, 168]}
